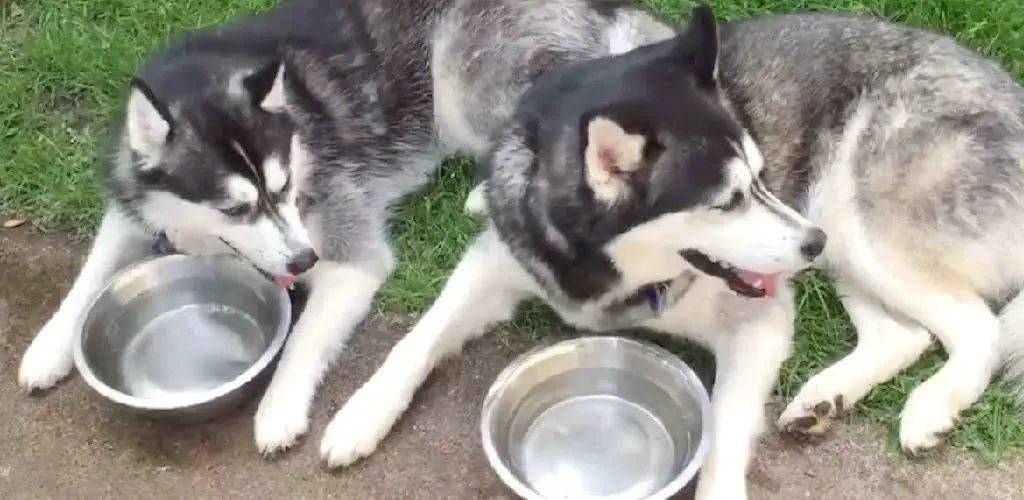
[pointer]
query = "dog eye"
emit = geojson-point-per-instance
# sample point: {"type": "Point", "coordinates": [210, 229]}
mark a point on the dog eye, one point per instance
{"type": "Point", "coordinates": [734, 202]}
{"type": "Point", "coordinates": [236, 210]}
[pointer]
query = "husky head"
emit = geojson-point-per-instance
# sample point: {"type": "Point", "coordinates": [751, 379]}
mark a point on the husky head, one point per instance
{"type": "Point", "coordinates": [223, 164]}
{"type": "Point", "coordinates": [680, 173]}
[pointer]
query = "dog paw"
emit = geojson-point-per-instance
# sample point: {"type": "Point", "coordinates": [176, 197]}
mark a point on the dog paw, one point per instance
{"type": "Point", "coordinates": [361, 425]}
{"type": "Point", "coordinates": [49, 358]}
{"type": "Point", "coordinates": [279, 423]}
{"type": "Point", "coordinates": [926, 420]}
{"type": "Point", "coordinates": [718, 489]}
{"type": "Point", "coordinates": [476, 201]}
{"type": "Point", "coordinates": [810, 414]}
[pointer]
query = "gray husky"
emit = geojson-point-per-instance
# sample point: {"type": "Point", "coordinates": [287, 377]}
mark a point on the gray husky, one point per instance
{"type": "Point", "coordinates": [727, 153]}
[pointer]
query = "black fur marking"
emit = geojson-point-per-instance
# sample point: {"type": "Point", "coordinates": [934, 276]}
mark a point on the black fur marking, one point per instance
{"type": "Point", "coordinates": [698, 46]}
{"type": "Point", "coordinates": [260, 82]}
{"type": "Point", "coordinates": [192, 73]}
{"type": "Point", "coordinates": [607, 8]}
{"type": "Point", "coordinates": [658, 91]}
{"type": "Point", "coordinates": [197, 174]}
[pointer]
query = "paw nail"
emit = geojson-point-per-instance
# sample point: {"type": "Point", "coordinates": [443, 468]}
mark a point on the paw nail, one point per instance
{"type": "Point", "coordinates": [803, 423]}
{"type": "Point", "coordinates": [822, 409]}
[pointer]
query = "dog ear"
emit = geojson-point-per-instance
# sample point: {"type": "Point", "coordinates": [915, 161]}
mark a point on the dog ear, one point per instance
{"type": "Point", "coordinates": [611, 155]}
{"type": "Point", "coordinates": [697, 46]}
{"type": "Point", "coordinates": [265, 87]}
{"type": "Point", "coordinates": [148, 122]}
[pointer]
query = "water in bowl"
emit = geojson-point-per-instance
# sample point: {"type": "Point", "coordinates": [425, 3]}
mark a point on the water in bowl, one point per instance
{"type": "Point", "coordinates": [189, 350]}
{"type": "Point", "coordinates": [586, 440]}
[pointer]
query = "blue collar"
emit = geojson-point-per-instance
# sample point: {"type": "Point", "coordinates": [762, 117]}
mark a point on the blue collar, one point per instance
{"type": "Point", "coordinates": [161, 244]}
{"type": "Point", "coordinates": [655, 293]}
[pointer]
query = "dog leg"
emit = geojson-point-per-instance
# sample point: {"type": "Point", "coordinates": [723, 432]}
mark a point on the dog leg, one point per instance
{"type": "Point", "coordinates": [965, 326]}
{"type": "Point", "coordinates": [484, 288]}
{"type": "Point", "coordinates": [48, 359]}
{"type": "Point", "coordinates": [885, 346]}
{"type": "Point", "coordinates": [969, 332]}
{"type": "Point", "coordinates": [340, 297]}
{"type": "Point", "coordinates": [747, 365]}
{"type": "Point", "coordinates": [1011, 344]}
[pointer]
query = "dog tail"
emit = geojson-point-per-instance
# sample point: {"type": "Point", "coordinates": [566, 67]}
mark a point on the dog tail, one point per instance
{"type": "Point", "coordinates": [1011, 344]}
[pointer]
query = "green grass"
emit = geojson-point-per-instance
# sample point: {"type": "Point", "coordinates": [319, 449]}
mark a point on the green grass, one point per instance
{"type": "Point", "coordinates": [65, 63]}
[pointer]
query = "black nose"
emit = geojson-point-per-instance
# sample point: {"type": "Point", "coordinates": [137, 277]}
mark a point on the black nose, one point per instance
{"type": "Point", "coordinates": [813, 244]}
{"type": "Point", "coordinates": [303, 262]}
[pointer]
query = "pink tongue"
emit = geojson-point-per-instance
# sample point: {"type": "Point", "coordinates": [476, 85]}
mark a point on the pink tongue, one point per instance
{"type": "Point", "coordinates": [285, 280]}
{"type": "Point", "coordinates": [767, 281]}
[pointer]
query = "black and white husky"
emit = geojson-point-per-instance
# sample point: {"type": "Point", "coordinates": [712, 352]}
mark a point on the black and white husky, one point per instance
{"type": "Point", "coordinates": [284, 138]}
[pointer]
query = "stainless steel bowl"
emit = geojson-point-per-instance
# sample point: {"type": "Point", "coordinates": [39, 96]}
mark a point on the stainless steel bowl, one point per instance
{"type": "Point", "coordinates": [182, 337]}
{"type": "Point", "coordinates": [598, 417]}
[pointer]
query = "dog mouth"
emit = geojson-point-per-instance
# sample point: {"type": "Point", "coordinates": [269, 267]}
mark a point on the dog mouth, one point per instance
{"type": "Point", "coordinates": [162, 245]}
{"type": "Point", "coordinates": [283, 280]}
{"type": "Point", "coordinates": [743, 282]}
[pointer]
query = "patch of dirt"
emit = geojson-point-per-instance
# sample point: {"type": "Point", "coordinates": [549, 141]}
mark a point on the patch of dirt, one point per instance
{"type": "Point", "coordinates": [65, 445]}
{"type": "Point", "coordinates": [10, 13]}
{"type": "Point", "coordinates": [77, 117]}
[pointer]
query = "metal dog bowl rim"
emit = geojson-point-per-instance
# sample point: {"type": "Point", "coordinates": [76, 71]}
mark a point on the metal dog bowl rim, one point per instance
{"type": "Point", "coordinates": [86, 371]}
{"type": "Point", "coordinates": [554, 347]}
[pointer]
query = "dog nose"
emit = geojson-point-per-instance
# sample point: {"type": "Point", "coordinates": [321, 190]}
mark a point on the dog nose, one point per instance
{"type": "Point", "coordinates": [303, 262]}
{"type": "Point", "coordinates": [814, 244]}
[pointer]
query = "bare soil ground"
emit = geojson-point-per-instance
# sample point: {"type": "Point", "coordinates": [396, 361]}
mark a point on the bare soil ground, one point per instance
{"type": "Point", "coordinates": [65, 445]}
